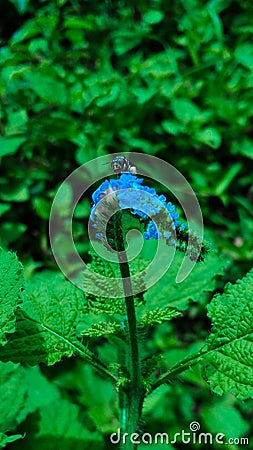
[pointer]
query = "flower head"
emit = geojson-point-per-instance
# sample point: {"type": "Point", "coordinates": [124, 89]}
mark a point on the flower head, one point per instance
{"type": "Point", "coordinates": [128, 192]}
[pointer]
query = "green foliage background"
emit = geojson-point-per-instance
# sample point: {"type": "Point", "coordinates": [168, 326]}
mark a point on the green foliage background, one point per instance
{"type": "Point", "coordinates": [80, 79]}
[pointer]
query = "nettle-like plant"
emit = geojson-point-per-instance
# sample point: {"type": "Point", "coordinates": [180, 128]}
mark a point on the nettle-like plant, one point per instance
{"type": "Point", "coordinates": [47, 318]}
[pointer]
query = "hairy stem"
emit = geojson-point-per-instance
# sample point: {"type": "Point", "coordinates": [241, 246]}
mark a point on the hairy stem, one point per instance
{"type": "Point", "coordinates": [136, 391]}
{"type": "Point", "coordinates": [180, 367]}
{"type": "Point", "coordinates": [123, 400]}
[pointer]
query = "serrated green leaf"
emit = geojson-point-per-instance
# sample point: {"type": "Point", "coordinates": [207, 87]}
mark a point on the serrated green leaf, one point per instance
{"type": "Point", "coordinates": [229, 361]}
{"type": "Point", "coordinates": [46, 324]}
{"type": "Point", "coordinates": [102, 328]}
{"type": "Point", "coordinates": [110, 270]}
{"type": "Point", "coordinates": [11, 283]}
{"type": "Point", "coordinates": [101, 305]}
{"type": "Point", "coordinates": [166, 292]}
{"type": "Point", "coordinates": [158, 315]}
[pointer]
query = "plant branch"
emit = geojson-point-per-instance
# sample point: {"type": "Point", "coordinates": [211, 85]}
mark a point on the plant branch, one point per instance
{"type": "Point", "coordinates": [177, 369]}
{"type": "Point", "coordinates": [83, 353]}
{"type": "Point", "coordinates": [189, 362]}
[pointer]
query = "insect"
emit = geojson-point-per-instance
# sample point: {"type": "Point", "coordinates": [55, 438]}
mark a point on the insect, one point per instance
{"type": "Point", "coordinates": [121, 164]}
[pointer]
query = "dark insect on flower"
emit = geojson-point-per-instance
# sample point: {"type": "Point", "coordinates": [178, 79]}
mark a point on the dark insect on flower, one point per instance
{"type": "Point", "coordinates": [121, 164]}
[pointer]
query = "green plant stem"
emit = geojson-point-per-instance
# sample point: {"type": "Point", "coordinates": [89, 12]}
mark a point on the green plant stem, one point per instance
{"type": "Point", "coordinates": [136, 391]}
{"type": "Point", "coordinates": [185, 364]}
{"type": "Point", "coordinates": [177, 369]}
{"type": "Point", "coordinates": [123, 400]}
